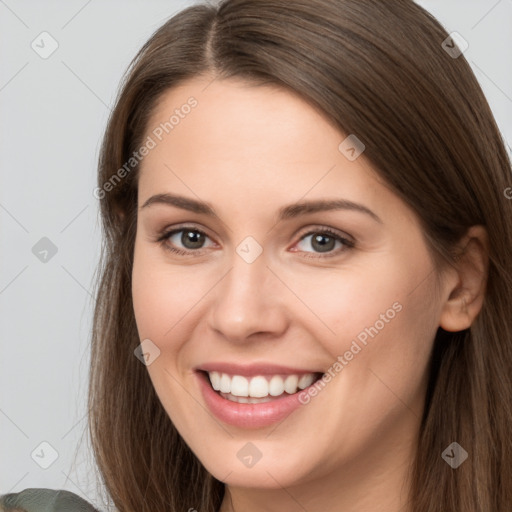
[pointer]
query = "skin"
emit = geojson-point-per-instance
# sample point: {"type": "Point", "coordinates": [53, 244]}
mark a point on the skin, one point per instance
{"type": "Point", "coordinates": [250, 150]}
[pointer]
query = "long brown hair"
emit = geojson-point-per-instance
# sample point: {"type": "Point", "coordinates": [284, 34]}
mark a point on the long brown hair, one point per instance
{"type": "Point", "coordinates": [375, 69]}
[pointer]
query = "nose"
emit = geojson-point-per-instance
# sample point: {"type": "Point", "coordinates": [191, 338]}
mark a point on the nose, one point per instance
{"type": "Point", "coordinates": [249, 302]}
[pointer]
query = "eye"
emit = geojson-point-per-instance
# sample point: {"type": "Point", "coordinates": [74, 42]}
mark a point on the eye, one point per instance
{"type": "Point", "coordinates": [191, 238]}
{"type": "Point", "coordinates": [324, 241]}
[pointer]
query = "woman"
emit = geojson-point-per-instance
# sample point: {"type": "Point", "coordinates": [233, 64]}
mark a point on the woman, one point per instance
{"type": "Point", "coordinates": [304, 296]}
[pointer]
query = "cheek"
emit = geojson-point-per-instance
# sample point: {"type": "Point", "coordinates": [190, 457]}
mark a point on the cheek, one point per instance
{"type": "Point", "coordinates": [163, 295]}
{"type": "Point", "coordinates": [379, 355]}
{"type": "Point", "coordinates": [381, 318]}
{"type": "Point", "coordinates": [163, 302]}
{"type": "Point", "coordinates": [344, 302]}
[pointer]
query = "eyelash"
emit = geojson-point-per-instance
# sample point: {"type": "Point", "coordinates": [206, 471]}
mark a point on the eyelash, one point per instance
{"type": "Point", "coordinates": [349, 244]}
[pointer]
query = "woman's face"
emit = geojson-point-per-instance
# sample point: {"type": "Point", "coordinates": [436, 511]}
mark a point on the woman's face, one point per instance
{"type": "Point", "coordinates": [267, 287]}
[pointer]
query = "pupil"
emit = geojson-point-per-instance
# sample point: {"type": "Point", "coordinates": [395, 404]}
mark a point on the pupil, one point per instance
{"type": "Point", "coordinates": [323, 247]}
{"type": "Point", "coordinates": [193, 238]}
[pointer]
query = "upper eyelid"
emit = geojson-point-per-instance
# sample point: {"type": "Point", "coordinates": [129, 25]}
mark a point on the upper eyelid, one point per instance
{"type": "Point", "coordinates": [172, 231]}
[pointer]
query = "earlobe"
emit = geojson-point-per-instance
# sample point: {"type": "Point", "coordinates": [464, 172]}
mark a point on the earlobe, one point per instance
{"type": "Point", "coordinates": [466, 291]}
{"type": "Point", "coordinates": [457, 315]}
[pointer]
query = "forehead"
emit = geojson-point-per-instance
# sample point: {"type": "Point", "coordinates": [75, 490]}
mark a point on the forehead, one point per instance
{"type": "Point", "coordinates": [240, 115]}
{"type": "Point", "coordinates": [242, 144]}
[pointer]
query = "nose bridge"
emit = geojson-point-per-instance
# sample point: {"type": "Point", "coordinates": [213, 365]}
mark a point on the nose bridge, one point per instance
{"type": "Point", "coordinates": [244, 303]}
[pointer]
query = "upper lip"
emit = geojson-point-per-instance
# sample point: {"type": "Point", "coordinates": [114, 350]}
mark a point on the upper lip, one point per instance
{"type": "Point", "coordinates": [253, 369]}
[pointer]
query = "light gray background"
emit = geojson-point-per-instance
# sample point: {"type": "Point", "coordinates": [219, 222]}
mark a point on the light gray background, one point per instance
{"type": "Point", "coordinates": [53, 113]}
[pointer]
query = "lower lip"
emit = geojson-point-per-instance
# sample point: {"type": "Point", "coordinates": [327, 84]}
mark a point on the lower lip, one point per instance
{"type": "Point", "coordinates": [247, 415]}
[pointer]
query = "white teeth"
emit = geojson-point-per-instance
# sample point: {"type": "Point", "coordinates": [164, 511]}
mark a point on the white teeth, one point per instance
{"type": "Point", "coordinates": [239, 386]}
{"type": "Point", "coordinates": [276, 386]}
{"type": "Point", "coordinates": [225, 383]}
{"type": "Point", "coordinates": [291, 383]}
{"type": "Point", "coordinates": [258, 386]}
{"type": "Point", "coordinates": [245, 400]}
{"type": "Point", "coordinates": [306, 380]}
{"type": "Point", "coordinates": [215, 380]}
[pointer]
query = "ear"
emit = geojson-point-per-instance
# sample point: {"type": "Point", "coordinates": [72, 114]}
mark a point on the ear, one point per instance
{"type": "Point", "coordinates": [467, 283]}
{"type": "Point", "coordinates": [118, 212]}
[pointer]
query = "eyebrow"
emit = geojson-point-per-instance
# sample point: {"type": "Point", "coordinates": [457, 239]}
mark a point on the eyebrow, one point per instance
{"type": "Point", "coordinates": [286, 212]}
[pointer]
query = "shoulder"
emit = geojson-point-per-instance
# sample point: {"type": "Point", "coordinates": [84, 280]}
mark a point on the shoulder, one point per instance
{"type": "Point", "coordinates": [44, 500]}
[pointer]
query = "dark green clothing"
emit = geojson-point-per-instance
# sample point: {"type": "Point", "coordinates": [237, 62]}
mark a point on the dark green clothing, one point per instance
{"type": "Point", "coordinates": [44, 500]}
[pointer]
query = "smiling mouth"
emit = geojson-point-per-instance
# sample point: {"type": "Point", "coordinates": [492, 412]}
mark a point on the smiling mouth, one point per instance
{"type": "Point", "coordinates": [258, 389]}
